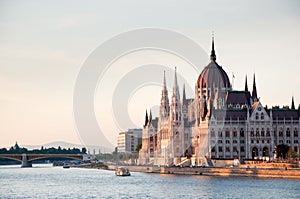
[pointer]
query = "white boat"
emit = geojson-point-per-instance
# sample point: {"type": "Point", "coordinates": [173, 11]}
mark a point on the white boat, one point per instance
{"type": "Point", "coordinates": [66, 166]}
{"type": "Point", "coordinates": [120, 171]}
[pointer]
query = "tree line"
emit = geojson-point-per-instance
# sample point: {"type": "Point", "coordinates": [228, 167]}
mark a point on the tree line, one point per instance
{"type": "Point", "coordinates": [16, 149]}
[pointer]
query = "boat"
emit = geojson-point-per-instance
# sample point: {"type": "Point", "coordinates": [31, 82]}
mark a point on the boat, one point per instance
{"type": "Point", "coordinates": [66, 166]}
{"type": "Point", "coordinates": [120, 171]}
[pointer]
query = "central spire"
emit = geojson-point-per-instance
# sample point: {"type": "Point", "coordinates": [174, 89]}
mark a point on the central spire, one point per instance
{"type": "Point", "coordinates": [254, 92]}
{"type": "Point", "coordinates": [246, 84]}
{"type": "Point", "coordinates": [213, 54]}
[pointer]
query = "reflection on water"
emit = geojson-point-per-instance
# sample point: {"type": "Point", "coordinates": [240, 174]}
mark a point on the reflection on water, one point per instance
{"type": "Point", "coordinates": [45, 181]}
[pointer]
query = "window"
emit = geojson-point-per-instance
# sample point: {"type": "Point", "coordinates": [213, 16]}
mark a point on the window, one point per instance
{"type": "Point", "coordinates": [252, 141]}
{"type": "Point", "coordinates": [268, 132]}
{"type": "Point", "coordinates": [227, 149]}
{"type": "Point", "coordinates": [256, 116]}
{"type": "Point", "coordinates": [262, 132]}
{"type": "Point", "coordinates": [227, 141]}
{"type": "Point", "coordinates": [257, 131]}
{"type": "Point", "coordinates": [234, 141]}
{"type": "Point", "coordinates": [234, 133]}
{"type": "Point", "coordinates": [252, 132]}
{"type": "Point", "coordinates": [288, 132]}
{"type": "Point", "coordinates": [220, 133]}
{"type": "Point", "coordinates": [295, 132]}
{"type": "Point", "coordinates": [234, 149]}
{"type": "Point", "coordinates": [257, 141]}
{"type": "Point", "coordinates": [220, 141]}
{"type": "Point", "coordinates": [242, 149]}
{"type": "Point", "coordinates": [262, 117]}
{"type": "Point", "coordinates": [220, 149]}
{"type": "Point", "coordinates": [227, 133]}
{"type": "Point", "coordinates": [280, 132]}
{"type": "Point", "coordinates": [242, 132]}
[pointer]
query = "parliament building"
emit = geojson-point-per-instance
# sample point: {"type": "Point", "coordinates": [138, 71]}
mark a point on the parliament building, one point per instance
{"type": "Point", "coordinates": [219, 123]}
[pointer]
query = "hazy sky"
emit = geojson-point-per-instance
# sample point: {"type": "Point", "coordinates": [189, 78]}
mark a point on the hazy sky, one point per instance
{"type": "Point", "coordinates": [45, 43]}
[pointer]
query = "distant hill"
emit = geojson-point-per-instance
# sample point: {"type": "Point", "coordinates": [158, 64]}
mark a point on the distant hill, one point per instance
{"type": "Point", "coordinates": [67, 145]}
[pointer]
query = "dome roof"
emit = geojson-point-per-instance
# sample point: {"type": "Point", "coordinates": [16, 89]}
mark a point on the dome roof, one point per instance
{"type": "Point", "coordinates": [213, 74]}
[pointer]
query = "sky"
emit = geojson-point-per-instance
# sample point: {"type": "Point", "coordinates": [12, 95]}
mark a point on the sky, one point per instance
{"type": "Point", "coordinates": [44, 45]}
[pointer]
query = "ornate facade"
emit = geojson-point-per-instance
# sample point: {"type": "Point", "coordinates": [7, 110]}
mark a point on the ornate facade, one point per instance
{"type": "Point", "coordinates": [219, 123]}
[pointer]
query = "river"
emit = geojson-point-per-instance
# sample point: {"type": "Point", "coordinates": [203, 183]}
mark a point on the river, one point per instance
{"type": "Point", "coordinates": [45, 181]}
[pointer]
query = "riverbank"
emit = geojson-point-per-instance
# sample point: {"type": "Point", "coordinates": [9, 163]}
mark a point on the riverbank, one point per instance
{"type": "Point", "coordinates": [290, 173]}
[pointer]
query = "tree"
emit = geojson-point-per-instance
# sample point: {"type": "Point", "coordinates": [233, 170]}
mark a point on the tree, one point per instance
{"type": "Point", "coordinates": [138, 147]}
{"type": "Point", "coordinates": [83, 150]}
{"type": "Point", "coordinates": [291, 153]}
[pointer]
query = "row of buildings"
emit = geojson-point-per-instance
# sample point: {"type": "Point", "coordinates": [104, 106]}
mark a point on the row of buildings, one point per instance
{"type": "Point", "coordinates": [219, 123]}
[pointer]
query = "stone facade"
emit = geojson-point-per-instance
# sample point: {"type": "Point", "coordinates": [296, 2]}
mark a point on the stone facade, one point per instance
{"type": "Point", "coordinates": [219, 123]}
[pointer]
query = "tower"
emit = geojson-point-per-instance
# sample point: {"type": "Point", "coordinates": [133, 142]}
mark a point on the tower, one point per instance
{"type": "Point", "coordinates": [184, 105]}
{"type": "Point", "coordinates": [246, 84]}
{"type": "Point", "coordinates": [146, 118]}
{"type": "Point", "coordinates": [293, 104]}
{"type": "Point", "coordinates": [176, 129]}
{"type": "Point", "coordinates": [164, 102]}
{"type": "Point", "coordinates": [254, 92]}
{"type": "Point", "coordinates": [175, 109]}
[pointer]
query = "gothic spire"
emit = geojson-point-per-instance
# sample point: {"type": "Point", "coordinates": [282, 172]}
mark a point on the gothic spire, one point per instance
{"type": "Point", "coordinates": [164, 102]}
{"type": "Point", "coordinates": [175, 87]}
{"type": "Point", "coordinates": [254, 92]}
{"type": "Point", "coordinates": [213, 54]}
{"type": "Point", "coordinates": [175, 108]}
{"type": "Point", "coordinates": [150, 117]}
{"type": "Point", "coordinates": [183, 95]}
{"type": "Point", "coordinates": [293, 104]}
{"type": "Point", "coordinates": [146, 118]}
{"type": "Point", "coordinates": [164, 83]}
{"type": "Point", "coordinates": [246, 84]}
{"type": "Point", "coordinates": [175, 79]}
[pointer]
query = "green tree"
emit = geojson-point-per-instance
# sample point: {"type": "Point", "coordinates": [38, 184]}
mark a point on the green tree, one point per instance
{"type": "Point", "coordinates": [138, 147]}
{"type": "Point", "coordinates": [83, 150]}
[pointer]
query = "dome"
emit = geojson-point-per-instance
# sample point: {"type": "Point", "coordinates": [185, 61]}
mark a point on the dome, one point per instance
{"type": "Point", "coordinates": [213, 75]}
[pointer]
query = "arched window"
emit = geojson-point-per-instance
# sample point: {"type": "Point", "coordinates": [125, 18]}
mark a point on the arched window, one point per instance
{"type": "Point", "coordinates": [256, 116]}
{"type": "Point", "coordinates": [242, 132]}
{"type": "Point", "coordinates": [262, 133]}
{"type": "Point", "coordinates": [295, 132]}
{"type": "Point", "coordinates": [220, 133]}
{"type": "Point", "coordinates": [227, 133]}
{"type": "Point", "coordinates": [252, 132]}
{"type": "Point", "coordinates": [234, 133]}
{"type": "Point", "coordinates": [268, 132]}
{"type": "Point", "coordinates": [262, 116]}
{"type": "Point", "coordinates": [288, 132]}
{"type": "Point", "coordinates": [257, 131]}
{"type": "Point", "coordinates": [280, 132]}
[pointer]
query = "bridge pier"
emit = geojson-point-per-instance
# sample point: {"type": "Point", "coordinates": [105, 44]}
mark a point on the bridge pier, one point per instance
{"type": "Point", "coordinates": [25, 162]}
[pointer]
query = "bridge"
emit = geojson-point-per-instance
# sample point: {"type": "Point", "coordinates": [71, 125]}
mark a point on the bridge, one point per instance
{"type": "Point", "coordinates": [26, 159]}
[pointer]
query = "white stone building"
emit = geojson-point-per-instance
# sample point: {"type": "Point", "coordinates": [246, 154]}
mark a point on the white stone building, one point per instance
{"type": "Point", "coordinates": [219, 123]}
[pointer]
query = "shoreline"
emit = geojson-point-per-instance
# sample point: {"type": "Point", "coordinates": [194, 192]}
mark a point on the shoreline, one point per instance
{"type": "Point", "coordinates": [222, 172]}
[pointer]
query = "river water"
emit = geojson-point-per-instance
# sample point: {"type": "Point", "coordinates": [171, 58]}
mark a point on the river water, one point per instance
{"type": "Point", "coordinates": [45, 181]}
